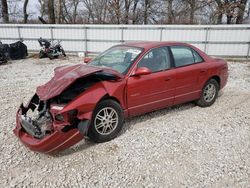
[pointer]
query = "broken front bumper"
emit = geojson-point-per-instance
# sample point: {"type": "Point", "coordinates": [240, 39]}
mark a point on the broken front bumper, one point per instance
{"type": "Point", "coordinates": [56, 141]}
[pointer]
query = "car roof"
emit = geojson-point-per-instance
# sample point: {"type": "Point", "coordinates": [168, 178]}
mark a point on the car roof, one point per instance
{"type": "Point", "coordinates": [152, 44]}
{"type": "Point", "coordinates": [147, 45]}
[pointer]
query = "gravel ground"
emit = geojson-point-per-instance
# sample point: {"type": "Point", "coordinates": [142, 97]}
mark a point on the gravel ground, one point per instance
{"type": "Point", "coordinates": [182, 146]}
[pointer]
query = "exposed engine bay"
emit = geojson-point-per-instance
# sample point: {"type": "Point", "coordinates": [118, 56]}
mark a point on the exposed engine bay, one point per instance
{"type": "Point", "coordinates": [81, 84]}
{"type": "Point", "coordinates": [39, 124]}
{"type": "Point", "coordinates": [37, 117]}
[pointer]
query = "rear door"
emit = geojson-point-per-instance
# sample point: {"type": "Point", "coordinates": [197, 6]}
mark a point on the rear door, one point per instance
{"type": "Point", "coordinates": [153, 91]}
{"type": "Point", "coordinates": [189, 68]}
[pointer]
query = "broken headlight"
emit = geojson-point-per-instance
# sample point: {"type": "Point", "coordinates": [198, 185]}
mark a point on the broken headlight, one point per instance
{"type": "Point", "coordinates": [59, 117]}
{"type": "Point", "coordinates": [70, 114]}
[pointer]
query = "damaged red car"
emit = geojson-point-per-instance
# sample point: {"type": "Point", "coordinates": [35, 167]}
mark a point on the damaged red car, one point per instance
{"type": "Point", "coordinates": [92, 100]}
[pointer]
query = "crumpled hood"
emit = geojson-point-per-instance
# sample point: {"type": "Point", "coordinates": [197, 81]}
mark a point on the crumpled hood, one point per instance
{"type": "Point", "coordinates": [63, 77]}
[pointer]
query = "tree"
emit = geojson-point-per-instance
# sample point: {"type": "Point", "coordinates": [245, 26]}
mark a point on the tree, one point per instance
{"type": "Point", "coordinates": [127, 8]}
{"type": "Point", "coordinates": [134, 17]}
{"type": "Point", "coordinates": [169, 11]}
{"type": "Point", "coordinates": [25, 14]}
{"type": "Point", "coordinates": [145, 11]}
{"type": "Point", "coordinates": [233, 9]}
{"type": "Point", "coordinates": [220, 11]}
{"type": "Point", "coordinates": [242, 7]}
{"type": "Point", "coordinates": [5, 13]}
{"type": "Point", "coordinates": [192, 5]}
{"type": "Point", "coordinates": [69, 11]}
{"type": "Point", "coordinates": [75, 6]}
{"type": "Point", "coordinates": [129, 11]}
{"type": "Point", "coordinates": [58, 11]}
{"type": "Point", "coordinates": [51, 12]}
{"type": "Point", "coordinates": [97, 10]}
{"type": "Point", "coordinates": [115, 11]}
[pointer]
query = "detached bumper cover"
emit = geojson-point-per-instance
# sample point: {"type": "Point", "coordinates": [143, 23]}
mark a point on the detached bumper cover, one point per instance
{"type": "Point", "coordinates": [52, 143]}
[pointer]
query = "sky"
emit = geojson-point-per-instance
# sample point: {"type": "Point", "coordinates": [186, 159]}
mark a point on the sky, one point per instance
{"type": "Point", "coordinates": [32, 7]}
{"type": "Point", "coordinates": [16, 12]}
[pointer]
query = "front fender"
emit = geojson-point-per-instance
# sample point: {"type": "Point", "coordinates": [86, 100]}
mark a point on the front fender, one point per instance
{"type": "Point", "coordinates": [86, 102]}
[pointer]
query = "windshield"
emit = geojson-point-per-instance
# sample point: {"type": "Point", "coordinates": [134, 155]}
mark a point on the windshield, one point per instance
{"type": "Point", "coordinates": [119, 58]}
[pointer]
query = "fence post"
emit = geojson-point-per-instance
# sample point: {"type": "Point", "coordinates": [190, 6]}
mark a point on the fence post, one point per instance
{"type": "Point", "coordinates": [122, 37]}
{"type": "Point", "coordinates": [19, 33]}
{"type": "Point", "coordinates": [248, 50]}
{"type": "Point", "coordinates": [86, 41]}
{"type": "Point", "coordinates": [161, 28]}
{"type": "Point", "coordinates": [51, 34]}
{"type": "Point", "coordinates": [206, 39]}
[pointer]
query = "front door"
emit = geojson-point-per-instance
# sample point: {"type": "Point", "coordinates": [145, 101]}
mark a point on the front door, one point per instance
{"type": "Point", "coordinates": [150, 92]}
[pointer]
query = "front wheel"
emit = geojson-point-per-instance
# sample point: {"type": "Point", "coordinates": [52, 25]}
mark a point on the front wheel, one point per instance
{"type": "Point", "coordinates": [63, 53]}
{"type": "Point", "coordinates": [209, 93]}
{"type": "Point", "coordinates": [107, 121]}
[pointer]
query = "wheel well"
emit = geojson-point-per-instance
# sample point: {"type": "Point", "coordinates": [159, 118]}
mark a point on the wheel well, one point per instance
{"type": "Point", "coordinates": [109, 97]}
{"type": "Point", "coordinates": [217, 78]}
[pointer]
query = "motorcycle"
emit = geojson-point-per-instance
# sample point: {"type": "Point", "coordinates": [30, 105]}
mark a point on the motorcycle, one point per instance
{"type": "Point", "coordinates": [51, 50]}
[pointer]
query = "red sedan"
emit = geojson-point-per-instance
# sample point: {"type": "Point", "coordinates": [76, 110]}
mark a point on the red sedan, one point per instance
{"type": "Point", "coordinates": [92, 100]}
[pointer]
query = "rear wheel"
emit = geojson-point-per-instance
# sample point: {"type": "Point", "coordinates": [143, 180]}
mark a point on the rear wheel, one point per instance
{"type": "Point", "coordinates": [42, 54]}
{"type": "Point", "coordinates": [63, 53]}
{"type": "Point", "coordinates": [209, 93]}
{"type": "Point", "coordinates": [107, 121]}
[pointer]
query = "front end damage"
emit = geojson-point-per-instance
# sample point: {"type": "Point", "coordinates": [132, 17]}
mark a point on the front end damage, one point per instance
{"type": "Point", "coordinates": [59, 114]}
{"type": "Point", "coordinates": [41, 127]}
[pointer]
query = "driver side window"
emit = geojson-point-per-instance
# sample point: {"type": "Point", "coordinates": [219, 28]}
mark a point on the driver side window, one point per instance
{"type": "Point", "coordinates": [156, 60]}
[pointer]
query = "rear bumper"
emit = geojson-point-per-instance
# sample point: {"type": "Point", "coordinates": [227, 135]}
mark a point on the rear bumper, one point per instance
{"type": "Point", "coordinates": [52, 143]}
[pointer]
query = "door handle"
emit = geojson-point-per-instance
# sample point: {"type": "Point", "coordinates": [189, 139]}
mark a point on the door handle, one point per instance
{"type": "Point", "coordinates": [203, 71]}
{"type": "Point", "coordinates": [167, 79]}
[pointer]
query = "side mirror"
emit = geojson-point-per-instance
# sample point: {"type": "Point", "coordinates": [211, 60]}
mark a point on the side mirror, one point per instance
{"type": "Point", "coordinates": [142, 71]}
{"type": "Point", "coordinates": [87, 59]}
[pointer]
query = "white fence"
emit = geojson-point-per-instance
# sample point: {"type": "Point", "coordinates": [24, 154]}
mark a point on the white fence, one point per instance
{"type": "Point", "coordinates": [217, 40]}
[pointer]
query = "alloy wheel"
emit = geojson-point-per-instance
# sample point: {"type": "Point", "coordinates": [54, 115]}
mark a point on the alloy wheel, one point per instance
{"type": "Point", "coordinates": [209, 92]}
{"type": "Point", "coordinates": [106, 121]}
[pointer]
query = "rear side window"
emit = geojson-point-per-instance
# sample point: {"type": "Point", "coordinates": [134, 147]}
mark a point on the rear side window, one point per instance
{"type": "Point", "coordinates": [185, 56]}
{"type": "Point", "coordinates": [197, 57]}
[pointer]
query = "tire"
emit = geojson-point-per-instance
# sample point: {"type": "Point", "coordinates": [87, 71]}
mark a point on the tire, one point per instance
{"type": "Point", "coordinates": [209, 93]}
{"type": "Point", "coordinates": [63, 53]}
{"type": "Point", "coordinates": [42, 54]}
{"type": "Point", "coordinates": [98, 127]}
{"type": "Point", "coordinates": [51, 56]}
